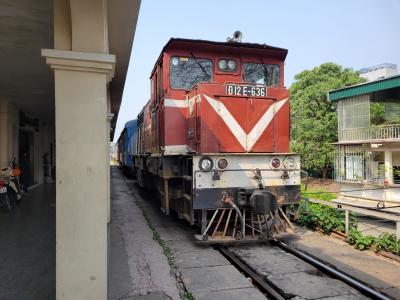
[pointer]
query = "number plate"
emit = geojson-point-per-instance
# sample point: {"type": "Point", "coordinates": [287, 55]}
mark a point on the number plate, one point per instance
{"type": "Point", "coordinates": [3, 190]}
{"type": "Point", "coordinates": [246, 90]}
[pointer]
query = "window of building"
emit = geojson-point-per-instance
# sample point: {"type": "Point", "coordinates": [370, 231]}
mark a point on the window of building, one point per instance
{"type": "Point", "coordinates": [354, 113]}
{"type": "Point", "coordinates": [355, 167]}
{"type": "Point", "coordinates": [385, 111]}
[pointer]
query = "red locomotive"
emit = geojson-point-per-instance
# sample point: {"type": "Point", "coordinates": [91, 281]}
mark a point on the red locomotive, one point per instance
{"type": "Point", "coordinates": [213, 140]}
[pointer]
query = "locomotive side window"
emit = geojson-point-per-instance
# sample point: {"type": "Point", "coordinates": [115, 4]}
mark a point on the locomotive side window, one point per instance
{"type": "Point", "coordinates": [155, 99]}
{"type": "Point", "coordinates": [152, 88]}
{"type": "Point", "coordinates": [160, 82]}
{"type": "Point", "coordinates": [186, 72]}
{"type": "Point", "coordinates": [264, 74]}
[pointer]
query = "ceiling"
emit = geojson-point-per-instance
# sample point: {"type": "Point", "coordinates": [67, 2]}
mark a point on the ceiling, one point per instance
{"type": "Point", "coordinates": [122, 20]}
{"type": "Point", "coordinates": [25, 28]}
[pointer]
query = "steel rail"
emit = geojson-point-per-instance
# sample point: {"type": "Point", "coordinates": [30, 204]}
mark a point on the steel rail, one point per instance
{"type": "Point", "coordinates": [360, 286]}
{"type": "Point", "coordinates": [259, 281]}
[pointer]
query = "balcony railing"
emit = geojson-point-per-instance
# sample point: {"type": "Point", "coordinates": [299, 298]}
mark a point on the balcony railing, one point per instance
{"type": "Point", "coordinates": [382, 132]}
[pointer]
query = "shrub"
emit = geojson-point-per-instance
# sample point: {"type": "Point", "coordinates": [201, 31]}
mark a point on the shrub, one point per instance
{"type": "Point", "coordinates": [327, 219]}
{"type": "Point", "coordinates": [388, 242]}
{"type": "Point", "coordinates": [323, 217]}
{"type": "Point", "coordinates": [360, 241]}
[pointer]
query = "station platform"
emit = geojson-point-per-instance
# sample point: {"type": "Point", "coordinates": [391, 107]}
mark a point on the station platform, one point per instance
{"type": "Point", "coordinates": [138, 269]}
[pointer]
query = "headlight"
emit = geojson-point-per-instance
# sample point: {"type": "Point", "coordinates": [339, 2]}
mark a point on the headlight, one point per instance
{"type": "Point", "coordinates": [232, 65]}
{"type": "Point", "coordinates": [222, 64]}
{"type": "Point", "coordinates": [289, 163]}
{"type": "Point", "coordinates": [227, 65]}
{"type": "Point", "coordinates": [275, 163]}
{"type": "Point", "coordinates": [222, 163]}
{"type": "Point", "coordinates": [205, 164]}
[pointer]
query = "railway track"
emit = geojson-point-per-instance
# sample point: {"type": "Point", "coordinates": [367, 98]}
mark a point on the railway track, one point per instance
{"type": "Point", "coordinates": [283, 272]}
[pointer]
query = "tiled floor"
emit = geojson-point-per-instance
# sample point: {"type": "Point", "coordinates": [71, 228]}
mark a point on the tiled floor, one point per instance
{"type": "Point", "coordinates": [27, 247]}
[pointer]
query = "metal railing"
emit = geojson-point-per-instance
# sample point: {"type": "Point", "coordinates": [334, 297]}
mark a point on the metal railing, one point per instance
{"type": "Point", "coordinates": [381, 132]}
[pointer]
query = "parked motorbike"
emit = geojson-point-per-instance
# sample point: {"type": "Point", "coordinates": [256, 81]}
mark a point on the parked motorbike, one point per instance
{"type": "Point", "coordinates": [10, 186]}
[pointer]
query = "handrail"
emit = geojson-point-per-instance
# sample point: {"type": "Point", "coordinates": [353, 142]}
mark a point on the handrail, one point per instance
{"type": "Point", "coordinates": [381, 132]}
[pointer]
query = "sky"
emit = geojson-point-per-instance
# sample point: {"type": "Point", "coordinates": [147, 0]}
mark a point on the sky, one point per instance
{"type": "Point", "coordinates": [352, 33]}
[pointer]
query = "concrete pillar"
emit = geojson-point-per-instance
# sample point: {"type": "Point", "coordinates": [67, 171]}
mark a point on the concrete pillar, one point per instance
{"type": "Point", "coordinates": [62, 25]}
{"type": "Point", "coordinates": [9, 125]}
{"type": "Point", "coordinates": [398, 230]}
{"type": "Point", "coordinates": [108, 179]}
{"type": "Point", "coordinates": [89, 26]}
{"type": "Point", "coordinates": [347, 222]}
{"type": "Point", "coordinates": [3, 133]}
{"type": "Point", "coordinates": [388, 166]}
{"type": "Point", "coordinates": [81, 152]}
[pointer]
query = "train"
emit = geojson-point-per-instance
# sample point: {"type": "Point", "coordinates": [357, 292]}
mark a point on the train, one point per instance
{"type": "Point", "coordinates": [213, 139]}
{"type": "Point", "coordinates": [126, 148]}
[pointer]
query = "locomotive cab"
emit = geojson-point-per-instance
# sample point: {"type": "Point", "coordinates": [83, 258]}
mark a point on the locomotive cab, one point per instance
{"type": "Point", "coordinates": [214, 138]}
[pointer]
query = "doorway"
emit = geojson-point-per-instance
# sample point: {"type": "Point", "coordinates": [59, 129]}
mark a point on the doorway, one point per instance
{"type": "Point", "coordinates": [26, 157]}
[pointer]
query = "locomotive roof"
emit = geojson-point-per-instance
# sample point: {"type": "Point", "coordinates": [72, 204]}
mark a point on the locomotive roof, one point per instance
{"type": "Point", "coordinates": [181, 43]}
{"type": "Point", "coordinates": [128, 124]}
{"type": "Point", "coordinates": [131, 123]}
{"type": "Point", "coordinates": [226, 44]}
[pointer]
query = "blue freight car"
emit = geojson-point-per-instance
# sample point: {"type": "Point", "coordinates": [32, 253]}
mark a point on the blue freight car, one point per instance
{"type": "Point", "coordinates": [127, 147]}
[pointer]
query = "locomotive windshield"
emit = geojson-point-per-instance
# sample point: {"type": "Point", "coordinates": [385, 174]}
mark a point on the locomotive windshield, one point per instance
{"type": "Point", "coordinates": [261, 74]}
{"type": "Point", "coordinates": [186, 72]}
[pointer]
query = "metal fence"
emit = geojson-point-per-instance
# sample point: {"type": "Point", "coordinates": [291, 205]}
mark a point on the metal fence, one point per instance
{"type": "Point", "coordinates": [353, 163]}
{"type": "Point", "coordinates": [381, 132]}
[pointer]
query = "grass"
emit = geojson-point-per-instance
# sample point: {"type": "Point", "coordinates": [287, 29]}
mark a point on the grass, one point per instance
{"type": "Point", "coordinates": [156, 236]}
{"type": "Point", "coordinates": [327, 196]}
{"type": "Point", "coordinates": [188, 296]}
{"type": "Point", "coordinates": [319, 194]}
{"type": "Point", "coordinates": [166, 250]}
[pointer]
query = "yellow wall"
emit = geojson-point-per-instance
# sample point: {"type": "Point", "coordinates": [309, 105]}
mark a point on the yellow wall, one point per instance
{"type": "Point", "coordinates": [9, 124]}
{"type": "Point", "coordinates": [396, 158]}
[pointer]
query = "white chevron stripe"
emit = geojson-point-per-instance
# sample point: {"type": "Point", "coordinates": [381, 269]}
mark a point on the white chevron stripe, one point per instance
{"type": "Point", "coordinates": [229, 120]}
{"type": "Point", "coordinates": [175, 103]}
{"type": "Point", "coordinates": [247, 141]}
{"type": "Point", "coordinates": [263, 123]}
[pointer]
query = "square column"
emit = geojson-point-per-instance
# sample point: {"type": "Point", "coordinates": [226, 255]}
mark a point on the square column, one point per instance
{"type": "Point", "coordinates": [9, 124]}
{"type": "Point", "coordinates": [108, 179]}
{"type": "Point", "coordinates": [82, 197]}
{"type": "Point", "coordinates": [3, 135]}
{"type": "Point", "coordinates": [388, 167]}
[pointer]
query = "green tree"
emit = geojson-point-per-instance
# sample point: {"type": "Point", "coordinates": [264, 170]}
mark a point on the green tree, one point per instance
{"type": "Point", "coordinates": [313, 117]}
